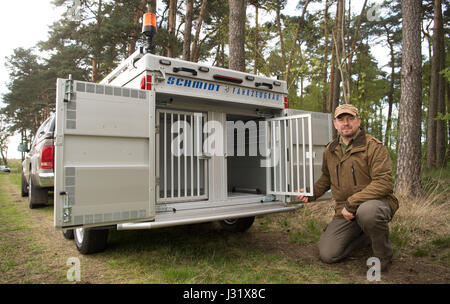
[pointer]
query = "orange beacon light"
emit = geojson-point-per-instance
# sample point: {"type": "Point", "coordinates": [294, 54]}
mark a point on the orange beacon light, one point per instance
{"type": "Point", "coordinates": [149, 29]}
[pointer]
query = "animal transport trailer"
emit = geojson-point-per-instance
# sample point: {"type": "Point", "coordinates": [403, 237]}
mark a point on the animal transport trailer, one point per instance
{"type": "Point", "coordinates": [163, 142]}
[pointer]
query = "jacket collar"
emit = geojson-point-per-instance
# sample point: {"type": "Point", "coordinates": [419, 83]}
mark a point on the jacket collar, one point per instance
{"type": "Point", "coordinates": [360, 141]}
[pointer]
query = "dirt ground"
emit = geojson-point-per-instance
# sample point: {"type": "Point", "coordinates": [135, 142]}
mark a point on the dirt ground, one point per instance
{"type": "Point", "coordinates": [53, 250]}
{"type": "Point", "coordinates": [405, 269]}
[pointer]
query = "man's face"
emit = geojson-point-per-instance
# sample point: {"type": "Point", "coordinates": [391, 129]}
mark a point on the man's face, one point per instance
{"type": "Point", "coordinates": [347, 125]}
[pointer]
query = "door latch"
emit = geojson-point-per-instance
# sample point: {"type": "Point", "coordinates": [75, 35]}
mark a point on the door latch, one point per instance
{"type": "Point", "coordinates": [67, 214]}
{"type": "Point", "coordinates": [204, 156]}
{"type": "Point", "coordinates": [67, 211]}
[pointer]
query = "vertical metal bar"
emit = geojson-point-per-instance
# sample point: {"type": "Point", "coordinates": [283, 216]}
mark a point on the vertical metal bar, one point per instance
{"type": "Point", "coordinates": [179, 160]}
{"type": "Point", "coordinates": [280, 162]}
{"type": "Point", "coordinates": [297, 153]}
{"type": "Point", "coordinates": [291, 160]}
{"type": "Point", "coordinates": [171, 156]}
{"type": "Point", "coordinates": [311, 165]}
{"type": "Point", "coordinates": [205, 162]}
{"type": "Point", "coordinates": [165, 154]}
{"type": "Point", "coordinates": [285, 157]}
{"type": "Point", "coordinates": [303, 153]}
{"type": "Point", "coordinates": [199, 140]}
{"type": "Point", "coordinates": [185, 154]}
{"type": "Point", "coordinates": [192, 155]}
{"type": "Point", "coordinates": [158, 156]}
{"type": "Point", "coordinates": [274, 147]}
{"type": "Point", "coordinates": [268, 156]}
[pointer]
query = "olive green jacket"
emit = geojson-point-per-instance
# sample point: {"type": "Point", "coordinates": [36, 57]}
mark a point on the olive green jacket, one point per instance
{"type": "Point", "coordinates": [363, 173]}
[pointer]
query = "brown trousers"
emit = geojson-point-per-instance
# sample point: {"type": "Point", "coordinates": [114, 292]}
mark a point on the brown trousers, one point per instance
{"type": "Point", "coordinates": [341, 237]}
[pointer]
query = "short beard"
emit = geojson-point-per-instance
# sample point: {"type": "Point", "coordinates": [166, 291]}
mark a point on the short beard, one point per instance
{"type": "Point", "coordinates": [349, 136]}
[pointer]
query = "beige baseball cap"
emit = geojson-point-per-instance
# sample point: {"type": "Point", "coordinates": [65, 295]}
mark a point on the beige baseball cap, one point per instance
{"type": "Point", "coordinates": [347, 109]}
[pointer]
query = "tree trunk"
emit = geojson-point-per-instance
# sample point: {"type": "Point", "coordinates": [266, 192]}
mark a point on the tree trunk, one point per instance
{"type": "Point", "coordinates": [331, 84]}
{"type": "Point", "coordinates": [391, 89]}
{"type": "Point", "coordinates": [297, 33]}
{"type": "Point", "coordinates": [448, 122]}
{"type": "Point", "coordinates": [355, 39]}
{"type": "Point", "coordinates": [325, 59]}
{"type": "Point", "coordinates": [438, 41]}
{"type": "Point", "coordinates": [341, 52]}
{"type": "Point", "coordinates": [237, 34]}
{"type": "Point", "coordinates": [222, 44]}
{"type": "Point", "coordinates": [188, 30]}
{"type": "Point", "coordinates": [138, 12]}
{"type": "Point", "coordinates": [280, 34]}
{"type": "Point", "coordinates": [256, 42]}
{"type": "Point", "coordinates": [410, 112]}
{"type": "Point", "coordinates": [434, 88]}
{"type": "Point", "coordinates": [171, 27]}
{"type": "Point", "coordinates": [151, 6]}
{"type": "Point", "coordinates": [195, 52]}
{"type": "Point", "coordinates": [335, 77]}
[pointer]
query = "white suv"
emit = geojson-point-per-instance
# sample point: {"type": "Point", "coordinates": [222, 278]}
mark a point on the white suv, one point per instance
{"type": "Point", "coordinates": [37, 168]}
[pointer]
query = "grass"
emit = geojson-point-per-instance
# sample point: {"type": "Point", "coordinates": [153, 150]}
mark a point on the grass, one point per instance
{"type": "Point", "coordinates": [304, 227]}
{"type": "Point", "coordinates": [270, 253]}
{"type": "Point", "coordinates": [421, 226]}
{"type": "Point", "coordinates": [186, 254]}
{"type": "Point", "coordinates": [194, 255]}
{"type": "Point", "coordinates": [22, 258]}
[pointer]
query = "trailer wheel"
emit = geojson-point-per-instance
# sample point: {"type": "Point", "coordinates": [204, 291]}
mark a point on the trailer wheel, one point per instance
{"type": "Point", "coordinates": [24, 191]}
{"type": "Point", "coordinates": [237, 225]}
{"type": "Point", "coordinates": [36, 196]}
{"type": "Point", "coordinates": [68, 234]}
{"type": "Point", "coordinates": [89, 240]}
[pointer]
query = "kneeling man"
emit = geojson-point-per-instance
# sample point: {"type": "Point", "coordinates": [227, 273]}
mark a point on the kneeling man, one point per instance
{"type": "Point", "coordinates": [358, 169]}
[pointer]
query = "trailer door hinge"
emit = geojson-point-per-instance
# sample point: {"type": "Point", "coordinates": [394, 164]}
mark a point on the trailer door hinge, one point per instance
{"type": "Point", "coordinates": [69, 94]}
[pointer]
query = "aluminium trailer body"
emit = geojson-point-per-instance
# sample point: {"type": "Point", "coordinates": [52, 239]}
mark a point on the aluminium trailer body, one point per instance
{"type": "Point", "coordinates": [163, 142]}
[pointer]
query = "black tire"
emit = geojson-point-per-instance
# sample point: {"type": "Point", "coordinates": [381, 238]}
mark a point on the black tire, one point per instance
{"type": "Point", "coordinates": [24, 191]}
{"type": "Point", "coordinates": [37, 197]}
{"type": "Point", "coordinates": [237, 225]}
{"type": "Point", "coordinates": [68, 234]}
{"type": "Point", "coordinates": [90, 240]}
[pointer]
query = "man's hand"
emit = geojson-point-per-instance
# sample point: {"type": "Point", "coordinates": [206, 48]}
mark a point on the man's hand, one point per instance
{"type": "Point", "coordinates": [347, 215]}
{"type": "Point", "coordinates": [301, 197]}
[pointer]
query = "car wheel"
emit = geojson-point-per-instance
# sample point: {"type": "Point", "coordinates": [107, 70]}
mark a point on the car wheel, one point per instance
{"type": "Point", "coordinates": [36, 196]}
{"type": "Point", "coordinates": [237, 225]}
{"type": "Point", "coordinates": [24, 191]}
{"type": "Point", "coordinates": [89, 240]}
{"type": "Point", "coordinates": [68, 234]}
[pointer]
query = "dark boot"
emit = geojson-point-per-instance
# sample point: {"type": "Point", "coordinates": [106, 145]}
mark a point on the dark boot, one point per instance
{"type": "Point", "coordinates": [385, 263]}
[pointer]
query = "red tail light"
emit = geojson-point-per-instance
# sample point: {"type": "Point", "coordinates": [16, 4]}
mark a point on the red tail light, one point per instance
{"type": "Point", "coordinates": [146, 83]}
{"type": "Point", "coordinates": [226, 78]}
{"type": "Point", "coordinates": [47, 157]}
{"type": "Point", "coordinates": [286, 103]}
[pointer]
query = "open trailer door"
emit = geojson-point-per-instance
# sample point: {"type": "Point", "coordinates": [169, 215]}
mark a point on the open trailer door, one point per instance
{"type": "Point", "coordinates": [104, 155]}
{"type": "Point", "coordinates": [291, 166]}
